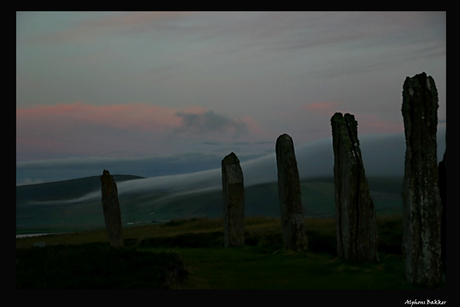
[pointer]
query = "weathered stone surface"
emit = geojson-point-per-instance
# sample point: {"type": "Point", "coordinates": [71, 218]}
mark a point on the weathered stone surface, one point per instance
{"type": "Point", "coordinates": [111, 208]}
{"type": "Point", "coordinates": [420, 193]}
{"type": "Point", "coordinates": [233, 194]}
{"type": "Point", "coordinates": [355, 214]}
{"type": "Point", "coordinates": [292, 220]}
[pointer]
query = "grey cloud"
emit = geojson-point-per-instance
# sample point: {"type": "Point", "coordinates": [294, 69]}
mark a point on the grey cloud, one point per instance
{"type": "Point", "coordinates": [210, 122]}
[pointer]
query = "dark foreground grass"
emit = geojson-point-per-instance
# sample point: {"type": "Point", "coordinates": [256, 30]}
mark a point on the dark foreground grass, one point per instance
{"type": "Point", "coordinates": [263, 263]}
{"type": "Point", "coordinates": [189, 254]}
{"type": "Point", "coordinates": [96, 266]}
{"type": "Point", "coordinates": [247, 268]}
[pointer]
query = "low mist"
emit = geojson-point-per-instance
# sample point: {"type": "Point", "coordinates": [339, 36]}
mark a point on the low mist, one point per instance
{"type": "Point", "coordinates": [383, 155]}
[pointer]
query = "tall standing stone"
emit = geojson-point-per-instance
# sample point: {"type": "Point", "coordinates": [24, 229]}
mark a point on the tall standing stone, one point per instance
{"type": "Point", "coordinates": [292, 220]}
{"type": "Point", "coordinates": [355, 214]}
{"type": "Point", "coordinates": [420, 193]}
{"type": "Point", "coordinates": [111, 208]}
{"type": "Point", "coordinates": [233, 193]}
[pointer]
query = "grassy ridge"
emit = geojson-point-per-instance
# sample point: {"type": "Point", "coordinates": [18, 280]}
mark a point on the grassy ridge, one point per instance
{"type": "Point", "coordinates": [62, 190]}
{"type": "Point", "coordinates": [317, 198]}
{"type": "Point", "coordinates": [201, 261]}
{"type": "Point", "coordinates": [35, 217]}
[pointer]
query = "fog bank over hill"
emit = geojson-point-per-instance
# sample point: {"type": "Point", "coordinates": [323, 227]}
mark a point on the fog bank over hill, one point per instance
{"type": "Point", "coordinates": [383, 155]}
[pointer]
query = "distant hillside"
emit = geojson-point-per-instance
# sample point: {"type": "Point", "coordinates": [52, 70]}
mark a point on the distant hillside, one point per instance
{"type": "Point", "coordinates": [34, 212]}
{"type": "Point", "coordinates": [62, 190]}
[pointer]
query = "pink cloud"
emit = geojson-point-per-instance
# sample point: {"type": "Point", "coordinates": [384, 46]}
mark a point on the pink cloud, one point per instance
{"type": "Point", "coordinates": [117, 130]}
{"type": "Point", "coordinates": [135, 117]}
{"type": "Point", "coordinates": [325, 108]}
{"type": "Point", "coordinates": [254, 127]}
{"type": "Point", "coordinates": [81, 128]}
{"type": "Point", "coordinates": [371, 123]}
{"type": "Point", "coordinates": [367, 122]}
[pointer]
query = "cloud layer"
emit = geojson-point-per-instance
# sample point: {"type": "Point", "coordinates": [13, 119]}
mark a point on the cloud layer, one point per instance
{"type": "Point", "coordinates": [84, 129]}
{"type": "Point", "coordinates": [144, 85]}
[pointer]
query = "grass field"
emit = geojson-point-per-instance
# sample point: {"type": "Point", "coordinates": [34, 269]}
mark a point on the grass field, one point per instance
{"type": "Point", "coordinates": [193, 252]}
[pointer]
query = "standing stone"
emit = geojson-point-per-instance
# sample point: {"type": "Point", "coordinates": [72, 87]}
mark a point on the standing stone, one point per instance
{"type": "Point", "coordinates": [355, 214]}
{"type": "Point", "coordinates": [233, 193]}
{"type": "Point", "coordinates": [292, 220]}
{"type": "Point", "coordinates": [111, 208]}
{"type": "Point", "coordinates": [420, 192]}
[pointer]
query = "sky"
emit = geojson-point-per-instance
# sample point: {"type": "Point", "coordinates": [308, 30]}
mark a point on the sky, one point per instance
{"type": "Point", "coordinates": [164, 93]}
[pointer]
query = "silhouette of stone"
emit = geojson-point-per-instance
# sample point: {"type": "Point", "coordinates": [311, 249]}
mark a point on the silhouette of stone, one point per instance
{"type": "Point", "coordinates": [233, 193]}
{"type": "Point", "coordinates": [420, 193]}
{"type": "Point", "coordinates": [111, 208]}
{"type": "Point", "coordinates": [292, 220]}
{"type": "Point", "coordinates": [355, 214]}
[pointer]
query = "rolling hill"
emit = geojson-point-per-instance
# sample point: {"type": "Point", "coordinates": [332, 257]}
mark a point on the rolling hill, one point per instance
{"type": "Point", "coordinates": [62, 190]}
{"type": "Point", "coordinates": [66, 206]}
